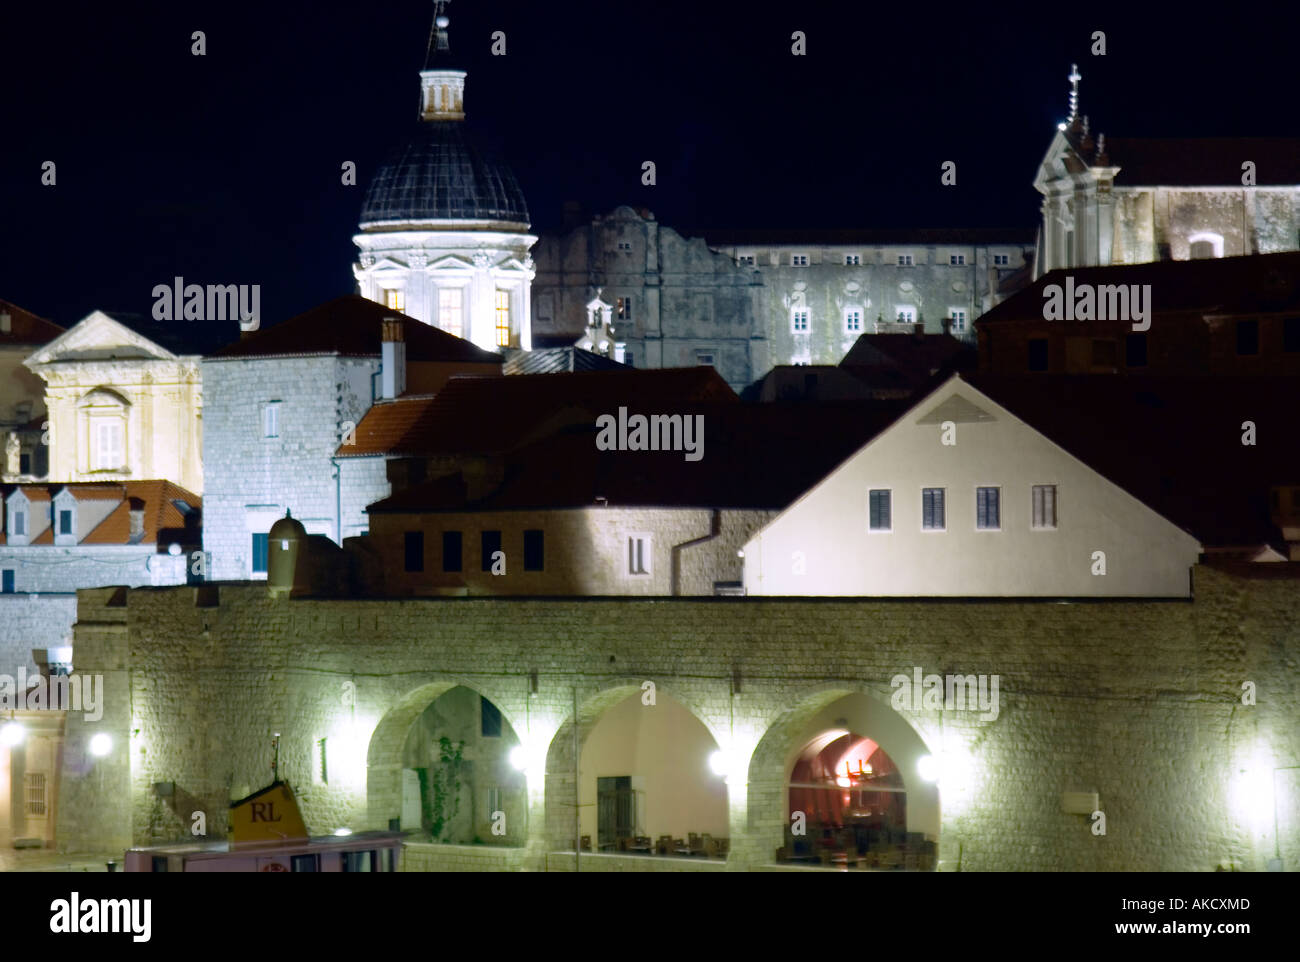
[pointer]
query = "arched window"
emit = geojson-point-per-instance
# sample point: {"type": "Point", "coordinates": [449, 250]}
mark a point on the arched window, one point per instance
{"type": "Point", "coordinates": [1204, 245]}
{"type": "Point", "coordinates": [103, 414]}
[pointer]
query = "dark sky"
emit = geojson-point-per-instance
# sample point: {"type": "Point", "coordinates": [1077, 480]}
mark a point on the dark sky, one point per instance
{"type": "Point", "coordinates": [226, 168]}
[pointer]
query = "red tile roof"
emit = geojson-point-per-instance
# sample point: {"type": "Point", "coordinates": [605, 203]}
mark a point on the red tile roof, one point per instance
{"type": "Point", "coordinates": [492, 415]}
{"type": "Point", "coordinates": [352, 326]}
{"type": "Point", "coordinates": [162, 518]}
{"type": "Point", "coordinates": [26, 327]}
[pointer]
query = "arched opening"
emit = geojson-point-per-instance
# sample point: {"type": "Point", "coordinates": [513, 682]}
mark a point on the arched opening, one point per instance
{"type": "Point", "coordinates": [841, 781]}
{"type": "Point", "coordinates": [651, 780]}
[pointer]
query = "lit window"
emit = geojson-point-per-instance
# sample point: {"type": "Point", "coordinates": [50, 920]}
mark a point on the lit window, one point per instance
{"type": "Point", "coordinates": [799, 319]}
{"type": "Point", "coordinates": [987, 514]}
{"type": "Point", "coordinates": [958, 316]}
{"type": "Point", "coordinates": [106, 442]}
{"type": "Point", "coordinates": [1001, 260]}
{"type": "Point", "coordinates": [639, 555]}
{"type": "Point", "coordinates": [904, 260]}
{"type": "Point", "coordinates": [852, 320]}
{"type": "Point", "coordinates": [503, 318]}
{"type": "Point", "coordinates": [906, 314]}
{"type": "Point", "coordinates": [852, 260]}
{"type": "Point", "coordinates": [798, 260]}
{"type": "Point", "coordinates": [1044, 497]}
{"type": "Point", "coordinates": [451, 310]}
{"type": "Point", "coordinates": [271, 420]}
{"type": "Point", "coordinates": [932, 515]}
{"type": "Point", "coordinates": [957, 260]}
{"type": "Point", "coordinates": [260, 546]}
{"type": "Point", "coordinates": [623, 308]}
{"type": "Point", "coordinates": [878, 504]}
{"type": "Point", "coordinates": [395, 298]}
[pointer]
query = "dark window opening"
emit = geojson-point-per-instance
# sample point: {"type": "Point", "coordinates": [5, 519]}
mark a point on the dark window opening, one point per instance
{"type": "Point", "coordinates": [65, 522]}
{"type": "Point", "coordinates": [1038, 354]}
{"type": "Point", "coordinates": [1291, 335]}
{"type": "Point", "coordinates": [534, 553]}
{"type": "Point", "coordinates": [490, 724]}
{"type": "Point", "coordinates": [414, 549]}
{"type": "Point", "coordinates": [451, 551]}
{"type": "Point", "coordinates": [305, 863]}
{"type": "Point", "coordinates": [7, 581]}
{"type": "Point", "coordinates": [491, 545]}
{"type": "Point", "coordinates": [1135, 350]}
{"type": "Point", "coordinates": [1248, 337]}
{"type": "Point", "coordinates": [260, 549]}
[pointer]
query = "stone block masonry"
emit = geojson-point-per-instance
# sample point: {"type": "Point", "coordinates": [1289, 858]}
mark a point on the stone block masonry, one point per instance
{"type": "Point", "coordinates": [1141, 702]}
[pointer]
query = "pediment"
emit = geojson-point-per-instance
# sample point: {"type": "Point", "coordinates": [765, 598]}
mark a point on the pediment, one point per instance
{"type": "Point", "coordinates": [98, 337]}
{"type": "Point", "coordinates": [512, 264]}
{"type": "Point", "coordinates": [450, 262]}
{"type": "Point", "coordinates": [1057, 152]}
{"type": "Point", "coordinates": [958, 410]}
{"type": "Point", "coordinates": [388, 264]}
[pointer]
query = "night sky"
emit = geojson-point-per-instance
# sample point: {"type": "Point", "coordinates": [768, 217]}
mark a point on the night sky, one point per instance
{"type": "Point", "coordinates": [226, 168]}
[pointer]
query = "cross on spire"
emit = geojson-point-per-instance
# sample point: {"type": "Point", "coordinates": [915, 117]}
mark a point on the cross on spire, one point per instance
{"type": "Point", "coordinates": [1074, 79]}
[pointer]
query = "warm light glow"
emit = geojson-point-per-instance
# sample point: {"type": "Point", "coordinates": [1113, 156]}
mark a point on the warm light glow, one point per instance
{"type": "Point", "coordinates": [718, 763]}
{"type": "Point", "coordinates": [928, 768]}
{"type": "Point", "coordinates": [101, 744]}
{"type": "Point", "coordinates": [519, 758]}
{"type": "Point", "coordinates": [12, 734]}
{"type": "Point", "coordinates": [843, 781]}
{"type": "Point", "coordinates": [952, 769]}
{"type": "Point", "coordinates": [342, 831]}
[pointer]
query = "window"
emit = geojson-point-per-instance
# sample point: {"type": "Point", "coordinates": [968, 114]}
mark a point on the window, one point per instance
{"type": "Point", "coordinates": [395, 298]}
{"type": "Point", "coordinates": [987, 515]}
{"type": "Point", "coordinates": [413, 547]}
{"type": "Point", "coordinates": [904, 260]}
{"type": "Point", "coordinates": [106, 442]}
{"type": "Point", "coordinates": [65, 522]}
{"type": "Point", "coordinates": [451, 310]}
{"type": "Point", "coordinates": [24, 463]}
{"type": "Point", "coordinates": [357, 862]}
{"type": "Point", "coordinates": [957, 260]}
{"type": "Point", "coordinates": [1104, 353]}
{"type": "Point", "coordinates": [1201, 250]}
{"type": "Point", "coordinates": [745, 260]}
{"type": "Point", "coordinates": [491, 544]}
{"type": "Point", "coordinates": [1204, 244]}
{"type": "Point", "coordinates": [799, 319]}
{"type": "Point", "coordinates": [639, 554]}
{"type": "Point", "coordinates": [158, 863]}
{"type": "Point", "coordinates": [322, 762]}
{"type": "Point", "coordinates": [1135, 350]}
{"type": "Point", "coordinates": [704, 358]}
{"type": "Point", "coordinates": [906, 314]}
{"type": "Point", "coordinates": [852, 260]}
{"type": "Point", "coordinates": [1291, 335]}
{"type": "Point", "coordinates": [35, 793]}
{"type": "Point", "coordinates": [7, 581]}
{"type": "Point", "coordinates": [1001, 260]}
{"type": "Point", "coordinates": [493, 800]}
{"type": "Point", "coordinates": [1038, 354]}
{"type": "Point", "coordinates": [1044, 498]}
{"type": "Point", "coordinates": [958, 316]}
{"type": "Point", "coordinates": [625, 245]}
{"type": "Point", "coordinates": [304, 863]}
{"type": "Point", "coordinates": [623, 308]}
{"type": "Point", "coordinates": [852, 320]}
{"type": "Point", "coordinates": [879, 518]}
{"type": "Point", "coordinates": [271, 419]}
{"type": "Point", "coordinates": [489, 718]}
{"type": "Point", "coordinates": [627, 359]}
{"type": "Point", "coordinates": [260, 548]}
{"type": "Point", "coordinates": [451, 551]}
{"type": "Point", "coordinates": [503, 318]}
{"type": "Point", "coordinates": [798, 260]}
{"type": "Point", "coordinates": [932, 518]}
{"type": "Point", "coordinates": [1248, 337]}
{"type": "Point", "coordinates": [20, 522]}
{"type": "Point", "coordinates": [534, 550]}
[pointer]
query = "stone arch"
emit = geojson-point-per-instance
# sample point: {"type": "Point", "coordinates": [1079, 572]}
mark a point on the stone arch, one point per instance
{"type": "Point", "coordinates": [384, 751]}
{"type": "Point", "coordinates": [560, 792]}
{"type": "Point", "coordinates": [777, 749]}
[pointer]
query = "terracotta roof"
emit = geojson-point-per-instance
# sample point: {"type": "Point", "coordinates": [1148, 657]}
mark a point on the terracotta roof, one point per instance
{"type": "Point", "coordinates": [352, 326]}
{"type": "Point", "coordinates": [755, 456]}
{"type": "Point", "coordinates": [26, 327]}
{"type": "Point", "coordinates": [1172, 442]}
{"type": "Point", "coordinates": [160, 514]}
{"type": "Point", "coordinates": [1203, 161]}
{"type": "Point", "coordinates": [487, 415]}
{"type": "Point", "coordinates": [95, 491]}
{"type": "Point", "coordinates": [33, 492]}
{"type": "Point", "coordinates": [1229, 285]}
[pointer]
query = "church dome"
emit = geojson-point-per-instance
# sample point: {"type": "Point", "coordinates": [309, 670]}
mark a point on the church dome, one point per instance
{"type": "Point", "coordinates": [441, 174]}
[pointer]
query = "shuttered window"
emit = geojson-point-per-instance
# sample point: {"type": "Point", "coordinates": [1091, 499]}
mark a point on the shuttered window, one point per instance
{"type": "Point", "coordinates": [932, 517]}
{"type": "Point", "coordinates": [878, 508]}
{"type": "Point", "coordinates": [1044, 506]}
{"type": "Point", "coordinates": [988, 516]}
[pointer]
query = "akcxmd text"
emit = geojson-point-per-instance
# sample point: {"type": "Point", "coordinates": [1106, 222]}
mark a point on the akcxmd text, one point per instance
{"type": "Point", "coordinates": [73, 916]}
{"type": "Point", "coordinates": [218, 302]}
{"type": "Point", "coordinates": [1104, 302]}
{"type": "Point", "coordinates": [661, 432]}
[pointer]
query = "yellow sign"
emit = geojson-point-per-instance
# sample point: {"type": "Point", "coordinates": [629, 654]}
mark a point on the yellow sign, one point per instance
{"type": "Point", "coordinates": [270, 815]}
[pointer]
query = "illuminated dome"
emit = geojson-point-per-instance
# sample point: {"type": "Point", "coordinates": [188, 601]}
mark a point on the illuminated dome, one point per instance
{"type": "Point", "coordinates": [440, 175]}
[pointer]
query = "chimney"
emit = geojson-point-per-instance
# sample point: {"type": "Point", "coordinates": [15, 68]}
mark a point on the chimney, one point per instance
{"type": "Point", "coordinates": [947, 325]}
{"type": "Point", "coordinates": [136, 507]}
{"type": "Point", "coordinates": [393, 360]}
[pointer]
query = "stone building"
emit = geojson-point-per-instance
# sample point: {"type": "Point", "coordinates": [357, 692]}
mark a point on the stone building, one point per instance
{"type": "Point", "coordinates": [283, 399]}
{"type": "Point", "coordinates": [1110, 200]}
{"type": "Point", "coordinates": [22, 393]}
{"type": "Point", "coordinates": [444, 226]}
{"type": "Point", "coordinates": [1077, 729]}
{"type": "Point", "coordinates": [125, 401]}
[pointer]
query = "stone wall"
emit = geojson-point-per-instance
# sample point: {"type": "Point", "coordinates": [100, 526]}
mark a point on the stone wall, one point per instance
{"type": "Point", "coordinates": [33, 621]}
{"type": "Point", "coordinates": [1141, 702]}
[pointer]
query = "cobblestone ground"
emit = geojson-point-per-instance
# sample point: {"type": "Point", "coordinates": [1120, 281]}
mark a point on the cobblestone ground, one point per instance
{"type": "Point", "coordinates": [47, 860]}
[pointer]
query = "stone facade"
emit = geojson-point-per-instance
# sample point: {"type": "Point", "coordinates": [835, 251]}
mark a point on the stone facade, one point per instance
{"type": "Point", "coordinates": [1139, 701]}
{"type": "Point", "coordinates": [253, 479]}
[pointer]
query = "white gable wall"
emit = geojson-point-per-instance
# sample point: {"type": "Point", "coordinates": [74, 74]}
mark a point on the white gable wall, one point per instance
{"type": "Point", "coordinates": [1146, 556]}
